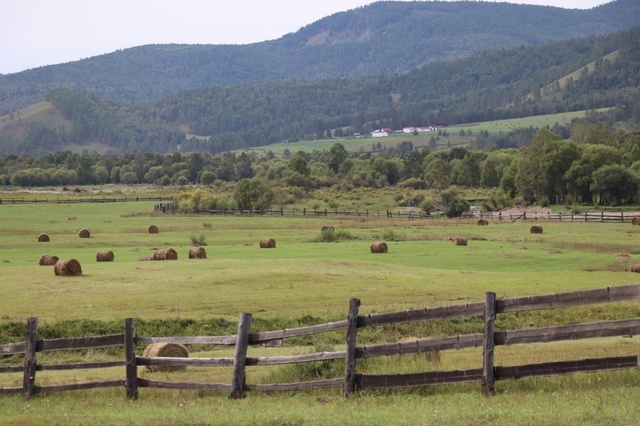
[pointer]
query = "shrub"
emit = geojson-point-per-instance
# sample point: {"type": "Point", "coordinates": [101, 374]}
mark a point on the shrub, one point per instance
{"type": "Point", "coordinates": [427, 205]}
{"type": "Point", "coordinates": [198, 240]}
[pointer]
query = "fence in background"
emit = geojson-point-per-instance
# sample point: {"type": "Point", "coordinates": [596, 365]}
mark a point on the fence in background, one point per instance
{"type": "Point", "coordinates": [487, 374]}
{"type": "Point", "coordinates": [81, 200]}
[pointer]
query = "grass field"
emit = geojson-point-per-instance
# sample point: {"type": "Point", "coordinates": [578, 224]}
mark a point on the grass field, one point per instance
{"type": "Point", "coordinates": [304, 281]}
{"type": "Point", "coordinates": [422, 139]}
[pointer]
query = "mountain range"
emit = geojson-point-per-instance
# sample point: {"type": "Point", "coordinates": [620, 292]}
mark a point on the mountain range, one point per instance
{"type": "Point", "coordinates": [403, 61]}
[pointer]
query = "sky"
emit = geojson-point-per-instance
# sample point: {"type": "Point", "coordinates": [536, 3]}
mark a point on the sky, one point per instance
{"type": "Point", "coordinates": [35, 33]}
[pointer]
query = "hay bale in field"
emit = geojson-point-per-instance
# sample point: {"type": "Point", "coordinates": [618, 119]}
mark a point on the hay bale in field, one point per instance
{"type": "Point", "coordinates": [43, 238]}
{"type": "Point", "coordinates": [153, 229]}
{"type": "Point", "coordinates": [536, 229]}
{"type": "Point", "coordinates": [379, 247]}
{"type": "Point", "coordinates": [165, 254]}
{"type": "Point", "coordinates": [145, 258]}
{"type": "Point", "coordinates": [197, 253]}
{"type": "Point", "coordinates": [105, 256]}
{"type": "Point", "coordinates": [635, 221]}
{"type": "Point", "coordinates": [459, 241]}
{"type": "Point", "coordinates": [67, 268]}
{"type": "Point", "coordinates": [267, 243]}
{"type": "Point", "coordinates": [635, 268]}
{"type": "Point", "coordinates": [483, 222]}
{"type": "Point", "coordinates": [48, 260]}
{"type": "Point", "coordinates": [171, 350]}
{"type": "Point", "coordinates": [84, 233]}
{"type": "Point", "coordinates": [327, 228]}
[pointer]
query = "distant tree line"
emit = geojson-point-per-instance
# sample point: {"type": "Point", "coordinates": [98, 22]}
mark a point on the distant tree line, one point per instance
{"type": "Point", "coordinates": [593, 165]}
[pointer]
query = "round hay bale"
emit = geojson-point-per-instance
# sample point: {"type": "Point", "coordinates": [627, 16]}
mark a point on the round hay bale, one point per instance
{"type": "Point", "coordinates": [48, 260]}
{"type": "Point", "coordinates": [84, 233]}
{"type": "Point", "coordinates": [635, 221]}
{"type": "Point", "coordinates": [43, 238]}
{"type": "Point", "coordinates": [483, 222]}
{"type": "Point", "coordinates": [197, 253]}
{"type": "Point", "coordinates": [327, 228]}
{"type": "Point", "coordinates": [67, 268]}
{"type": "Point", "coordinates": [105, 256]}
{"type": "Point", "coordinates": [172, 350]}
{"type": "Point", "coordinates": [165, 254]}
{"type": "Point", "coordinates": [635, 268]}
{"type": "Point", "coordinates": [153, 229]}
{"type": "Point", "coordinates": [379, 247]}
{"type": "Point", "coordinates": [267, 243]}
{"type": "Point", "coordinates": [459, 241]}
{"type": "Point", "coordinates": [536, 229]}
{"type": "Point", "coordinates": [145, 258]}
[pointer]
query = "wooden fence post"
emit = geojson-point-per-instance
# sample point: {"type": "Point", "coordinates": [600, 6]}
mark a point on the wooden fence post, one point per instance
{"type": "Point", "coordinates": [350, 360]}
{"type": "Point", "coordinates": [489, 344]}
{"type": "Point", "coordinates": [238, 381]}
{"type": "Point", "coordinates": [130, 359]}
{"type": "Point", "coordinates": [30, 364]}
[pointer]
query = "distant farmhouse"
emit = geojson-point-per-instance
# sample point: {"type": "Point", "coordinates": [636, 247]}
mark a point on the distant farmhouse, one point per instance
{"type": "Point", "coordinates": [419, 129]}
{"type": "Point", "coordinates": [381, 133]}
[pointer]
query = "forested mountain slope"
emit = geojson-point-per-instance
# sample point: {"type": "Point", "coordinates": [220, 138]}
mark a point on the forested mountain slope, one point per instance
{"type": "Point", "coordinates": [376, 40]}
{"type": "Point", "coordinates": [488, 86]}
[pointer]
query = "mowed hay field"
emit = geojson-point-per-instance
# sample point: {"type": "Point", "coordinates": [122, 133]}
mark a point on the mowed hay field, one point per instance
{"type": "Point", "coordinates": [304, 280]}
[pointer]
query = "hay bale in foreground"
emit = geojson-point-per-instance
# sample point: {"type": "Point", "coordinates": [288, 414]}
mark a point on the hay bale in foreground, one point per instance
{"type": "Point", "coordinates": [635, 221]}
{"type": "Point", "coordinates": [267, 243]}
{"type": "Point", "coordinates": [197, 253]}
{"type": "Point", "coordinates": [67, 268]}
{"type": "Point", "coordinates": [536, 229]}
{"type": "Point", "coordinates": [483, 222]}
{"type": "Point", "coordinates": [165, 254]}
{"type": "Point", "coordinates": [379, 247]}
{"type": "Point", "coordinates": [43, 238]}
{"type": "Point", "coordinates": [327, 228]}
{"type": "Point", "coordinates": [48, 260]}
{"type": "Point", "coordinates": [105, 256]}
{"type": "Point", "coordinates": [145, 258]}
{"type": "Point", "coordinates": [459, 241]}
{"type": "Point", "coordinates": [635, 268]}
{"type": "Point", "coordinates": [172, 350]}
{"type": "Point", "coordinates": [84, 233]}
{"type": "Point", "coordinates": [153, 229]}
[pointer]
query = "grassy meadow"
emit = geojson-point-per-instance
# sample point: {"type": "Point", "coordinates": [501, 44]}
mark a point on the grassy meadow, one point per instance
{"type": "Point", "coordinates": [306, 281]}
{"type": "Point", "coordinates": [453, 138]}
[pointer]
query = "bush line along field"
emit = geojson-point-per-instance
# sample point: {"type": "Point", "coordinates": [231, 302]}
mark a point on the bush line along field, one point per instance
{"type": "Point", "coordinates": [306, 281]}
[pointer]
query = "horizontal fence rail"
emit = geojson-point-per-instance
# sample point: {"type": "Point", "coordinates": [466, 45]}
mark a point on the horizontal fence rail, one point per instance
{"type": "Point", "coordinates": [81, 199]}
{"type": "Point", "coordinates": [352, 381]}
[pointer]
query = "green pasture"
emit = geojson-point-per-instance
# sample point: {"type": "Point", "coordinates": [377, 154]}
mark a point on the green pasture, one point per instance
{"type": "Point", "coordinates": [305, 281]}
{"type": "Point", "coordinates": [422, 139]}
{"type": "Point", "coordinates": [302, 276]}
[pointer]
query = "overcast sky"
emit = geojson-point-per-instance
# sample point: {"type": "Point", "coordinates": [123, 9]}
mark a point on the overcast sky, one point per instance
{"type": "Point", "coordinates": [34, 33]}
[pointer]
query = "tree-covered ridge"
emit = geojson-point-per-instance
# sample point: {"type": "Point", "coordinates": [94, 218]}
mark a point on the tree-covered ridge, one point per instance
{"type": "Point", "coordinates": [379, 39]}
{"type": "Point", "coordinates": [493, 85]}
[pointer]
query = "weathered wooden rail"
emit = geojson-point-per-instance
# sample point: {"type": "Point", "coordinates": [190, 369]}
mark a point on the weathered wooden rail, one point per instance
{"type": "Point", "coordinates": [487, 375]}
{"type": "Point", "coordinates": [81, 199]}
{"type": "Point", "coordinates": [559, 217]}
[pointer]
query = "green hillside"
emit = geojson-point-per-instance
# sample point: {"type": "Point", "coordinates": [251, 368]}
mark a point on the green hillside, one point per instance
{"type": "Point", "coordinates": [585, 74]}
{"type": "Point", "coordinates": [382, 38]}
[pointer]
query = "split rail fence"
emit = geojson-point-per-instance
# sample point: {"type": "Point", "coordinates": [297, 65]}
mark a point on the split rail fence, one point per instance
{"type": "Point", "coordinates": [80, 200]}
{"type": "Point", "coordinates": [487, 374]}
{"type": "Point", "coordinates": [566, 217]}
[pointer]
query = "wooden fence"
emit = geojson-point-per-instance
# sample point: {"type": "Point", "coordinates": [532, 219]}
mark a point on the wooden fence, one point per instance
{"type": "Point", "coordinates": [352, 381]}
{"type": "Point", "coordinates": [566, 217]}
{"type": "Point", "coordinates": [81, 200]}
{"type": "Point", "coordinates": [473, 214]}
